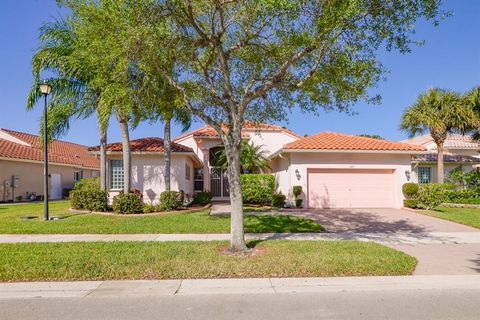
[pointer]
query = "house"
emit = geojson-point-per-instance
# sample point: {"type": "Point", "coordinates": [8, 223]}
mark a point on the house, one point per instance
{"type": "Point", "coordinates": [21, 166]}
{"type": "Point", "coordinates": [460, 151]}
{"type": "Point", "coordinates": [148, 167]}
{"type": "Point", "coordinates": [335, 170]}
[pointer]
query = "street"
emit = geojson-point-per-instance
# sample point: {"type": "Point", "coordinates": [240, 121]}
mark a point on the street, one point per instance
{"type": "Point", "coordinates": [401, 304]}
{"type": "Point", "coordinates": [417, 297]}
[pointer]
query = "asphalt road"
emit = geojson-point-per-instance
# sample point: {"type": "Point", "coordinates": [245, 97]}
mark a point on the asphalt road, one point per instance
{"type": "Point", "coordinates": [356, 304]}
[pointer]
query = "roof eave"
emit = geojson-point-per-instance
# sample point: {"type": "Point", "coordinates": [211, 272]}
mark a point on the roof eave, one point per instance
{"type": "Point", "coordinates": [352, 151]}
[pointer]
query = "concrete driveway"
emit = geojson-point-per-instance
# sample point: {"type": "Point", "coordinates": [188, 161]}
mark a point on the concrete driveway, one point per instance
{"type": "Point", "coordinates": [433, 259]}
{"type": "Point", "coordinates": [382, 221]}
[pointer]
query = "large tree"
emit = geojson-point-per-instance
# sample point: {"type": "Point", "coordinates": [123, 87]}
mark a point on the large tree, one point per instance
{"type": "Point", "coordinates": [257, 59]}
{"type": "Point", "coordinates": [72, 95]}
{"type": "Point", "coordinates": [438, 112]}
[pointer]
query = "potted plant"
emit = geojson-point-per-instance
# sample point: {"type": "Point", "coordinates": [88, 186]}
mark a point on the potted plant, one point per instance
{"type": "Point", "coordinates": [297, 191]}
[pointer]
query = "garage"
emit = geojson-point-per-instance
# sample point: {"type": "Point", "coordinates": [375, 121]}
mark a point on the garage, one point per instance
{"type": "Point", "coordinates": [351, 188]}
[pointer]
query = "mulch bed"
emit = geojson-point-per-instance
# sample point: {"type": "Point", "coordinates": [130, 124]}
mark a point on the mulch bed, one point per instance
{"type": "Point", "coordinates": [193, 208]}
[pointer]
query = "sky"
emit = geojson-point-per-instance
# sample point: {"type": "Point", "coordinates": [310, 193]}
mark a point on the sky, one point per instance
{"type": "Point", "coordinates": [449, 59]}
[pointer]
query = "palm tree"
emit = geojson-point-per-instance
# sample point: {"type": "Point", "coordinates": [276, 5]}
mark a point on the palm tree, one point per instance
{"type": "Point", "coordinates": [72, 96]}
{"type": "Point", "coordinates": [252, 158]}
{"type": "Point", "coordinates": [439, 112]}
{"type": "Point", "coordinates": [472, 99]}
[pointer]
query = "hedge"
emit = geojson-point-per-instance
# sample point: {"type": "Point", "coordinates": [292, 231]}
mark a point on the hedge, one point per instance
{"type": "Point", "coordinates": [87, 195]}
{"type": "Point", "coordinates": [257, 188]}
{"type": "Point", "coordinates": [170, 200]}
{"type": "Point", "coordinates": [127, 203]}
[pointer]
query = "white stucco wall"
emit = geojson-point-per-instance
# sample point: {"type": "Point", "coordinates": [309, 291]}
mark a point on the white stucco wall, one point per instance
{"type": "Point", "coordinates": [434, 172]}
{"type": "Point", "coordinates": [272, 141]}
{"type": "Point", "coordinates": [296, 173]}
{"type": "Point", "coordinates": [148, 175]}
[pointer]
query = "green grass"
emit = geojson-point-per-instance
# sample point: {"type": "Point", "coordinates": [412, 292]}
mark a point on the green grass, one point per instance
{"type": "Point", "coordinates": [467, 216]}
{"type": "Point", "coordinates": [196, 222]}
{"type": "Point", "coordinates": [189, 259]}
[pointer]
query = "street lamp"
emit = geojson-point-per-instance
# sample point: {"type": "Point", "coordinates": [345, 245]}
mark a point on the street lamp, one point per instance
{"type": "Point", "coordinates": [45, 89]}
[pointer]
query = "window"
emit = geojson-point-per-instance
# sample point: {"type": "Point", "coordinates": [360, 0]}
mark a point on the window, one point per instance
{"type": "Point", "coordinates": [77, 176]}
{"type": "Point", "coordinates": [424, 175]}
{"type": "Point", "coordinates": [198, 179]}
{"type": "Point", "coordinates": [187, 172]}
{"type": "Point", "coordinates": [116, 174]}
{"type": "Point", "coordinates": [95, 174]}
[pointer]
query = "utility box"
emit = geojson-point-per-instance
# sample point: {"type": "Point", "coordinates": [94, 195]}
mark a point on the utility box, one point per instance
{"type": "Point", "coordinates": [15, 181]}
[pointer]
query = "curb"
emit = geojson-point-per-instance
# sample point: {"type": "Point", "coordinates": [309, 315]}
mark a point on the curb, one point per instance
{"type": "Point", "coordinates": [189, 287]}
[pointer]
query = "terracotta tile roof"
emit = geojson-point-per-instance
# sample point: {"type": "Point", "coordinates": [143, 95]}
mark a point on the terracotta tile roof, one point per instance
{"type": "Point", "coordinates": [454, 141]}
{"type": "Point", "coordinates": [208, 131]}
{"type": "Point", "coordinates": [447, 157]}
{"type": "Point", "coordinates": [151, 144]}
{"type": "Point", "coordinates": [339, 141]}
{"type": "Point", "coordinates": [61, 152]}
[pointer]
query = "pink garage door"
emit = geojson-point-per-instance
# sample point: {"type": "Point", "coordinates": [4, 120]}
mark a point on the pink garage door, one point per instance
{"type": "Point", "coordinates": [350, 188]}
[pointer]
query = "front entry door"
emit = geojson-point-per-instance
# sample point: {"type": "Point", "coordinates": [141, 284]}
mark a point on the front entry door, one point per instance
{"type": "Point", "coordinates": [219, 183]}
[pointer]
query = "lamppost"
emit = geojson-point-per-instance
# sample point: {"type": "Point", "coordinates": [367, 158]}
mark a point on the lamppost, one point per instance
{"type": "Point", "coordinates": [45, 89]}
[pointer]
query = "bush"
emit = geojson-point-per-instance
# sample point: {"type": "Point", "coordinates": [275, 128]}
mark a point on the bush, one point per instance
{"type": "Point", "coordinates": [90, 199]}
{"type": "Point", "coordinates": [410, 203]}
{"type": "Point", "coordinates": [462, 196]}
{"type": "Point", "coordinates": [297, 190]}
{"type": "Point", "coordinates": [431, 195]}
{"type": "Point", "coordinates": [410, 189]}
{"type": "Point", "coordinates": [88, 184]}
{"type": "Point", "coordinates": [257, 188]}
{"type": "Point", "coordinates": [202, 198]}
{"type": "Point", "coordinates": [298, 203]}
{"type": "Point", "coordinates": [278, 200]}
{"type": "Point", "coordinates": [170, 200]}
{"type": "Point", "coordinates": [148, 208]}
{"type": "Point", "coordinates": [127, 203]}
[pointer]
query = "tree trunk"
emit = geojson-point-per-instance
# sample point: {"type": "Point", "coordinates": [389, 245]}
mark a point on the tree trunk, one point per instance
{"type": "Point", "coordinates": [167, 152]}
{"type": "Point", "coordinates": [103, 159]}
{"type": "Point", "coordinates": [237, 237]}
{"type": "Point", "coordinates": [127, 166]}
{"type": "Point", "coordinates": [440, 173]}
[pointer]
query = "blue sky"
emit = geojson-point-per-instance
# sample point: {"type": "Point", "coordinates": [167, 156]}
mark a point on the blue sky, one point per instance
{"type": "Point", "coordinates": [449, 59]}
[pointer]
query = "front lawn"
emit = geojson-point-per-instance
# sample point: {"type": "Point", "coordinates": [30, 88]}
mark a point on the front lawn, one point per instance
{"type": "Point", "coordinates": [190, 259]}
{"type": "Point", "coordinates": [193, 222]}
{"type": "Point", "coordinates": [467, 216]}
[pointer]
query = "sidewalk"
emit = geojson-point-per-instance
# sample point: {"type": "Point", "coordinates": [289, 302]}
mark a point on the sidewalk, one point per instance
{"type": "Point", "coordinates": [92, 289]}
{"type": "Point", "coordinates": [383, 238]}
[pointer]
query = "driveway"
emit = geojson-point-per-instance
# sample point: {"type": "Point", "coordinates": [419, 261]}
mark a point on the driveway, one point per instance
{"type": "Point", "coordinates": [382, 221]}
{"type": "Point", "coordinates": [444, 258]}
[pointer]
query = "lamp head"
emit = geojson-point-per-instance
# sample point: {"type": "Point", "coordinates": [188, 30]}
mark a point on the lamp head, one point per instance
{"type": "Point", "coordinates": [45, 88]}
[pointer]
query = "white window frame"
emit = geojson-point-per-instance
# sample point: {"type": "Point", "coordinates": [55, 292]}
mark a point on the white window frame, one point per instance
{"type": "Point", "coordinates": [420, 174]}
{"type": "Point", "coordinates": [118, 183]}
{"type": "Point", "coordinates": [77, 176]}
{"type": "Point", "coordinates": [188, 172]}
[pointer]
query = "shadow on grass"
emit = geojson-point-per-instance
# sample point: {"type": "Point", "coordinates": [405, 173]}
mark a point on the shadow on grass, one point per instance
{"type": "Point", "coordinates": [267, 223]}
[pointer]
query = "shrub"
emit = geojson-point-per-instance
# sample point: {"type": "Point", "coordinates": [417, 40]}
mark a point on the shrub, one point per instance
{"type": "Point", "coordinates": [410, 203]}
{"type": "Point", "coordinates": [431, 195]}
{"type": "Point", "coordinates": [462, 196]}
{"type": "Point", "coordinates": [257, 188]}
{"type": "Point", "coordinates": [88, 184]}
{"type": "Point", "coordinates": [148, 208]}
{"type": "Point", "coordinates": [410, 189]}
{"type": "Point", "coordinates": [298, 203]}
{"type": "Point", "coordinates": [278, 200]}
{"type": "Point", "coordinates": [127, 203]}
{"type": "Point", "coordinates": [170, 200]}
{"type": "Point", "coordinates": [90, 199]}
{"type": "Point", "coordinates": [202, 198]}
{"type": "Point", "coordinates": [297, 190]}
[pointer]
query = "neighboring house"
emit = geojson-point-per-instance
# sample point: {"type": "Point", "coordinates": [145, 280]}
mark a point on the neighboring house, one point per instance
{"type": "Point", "coordinates": [335, 170]}
{"type": "Point", "coordinates": [148, 167]}
{"type": "Point", "coordinates": [21, 166]}
{"type": "Point", "coordinates": [460, 150]}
